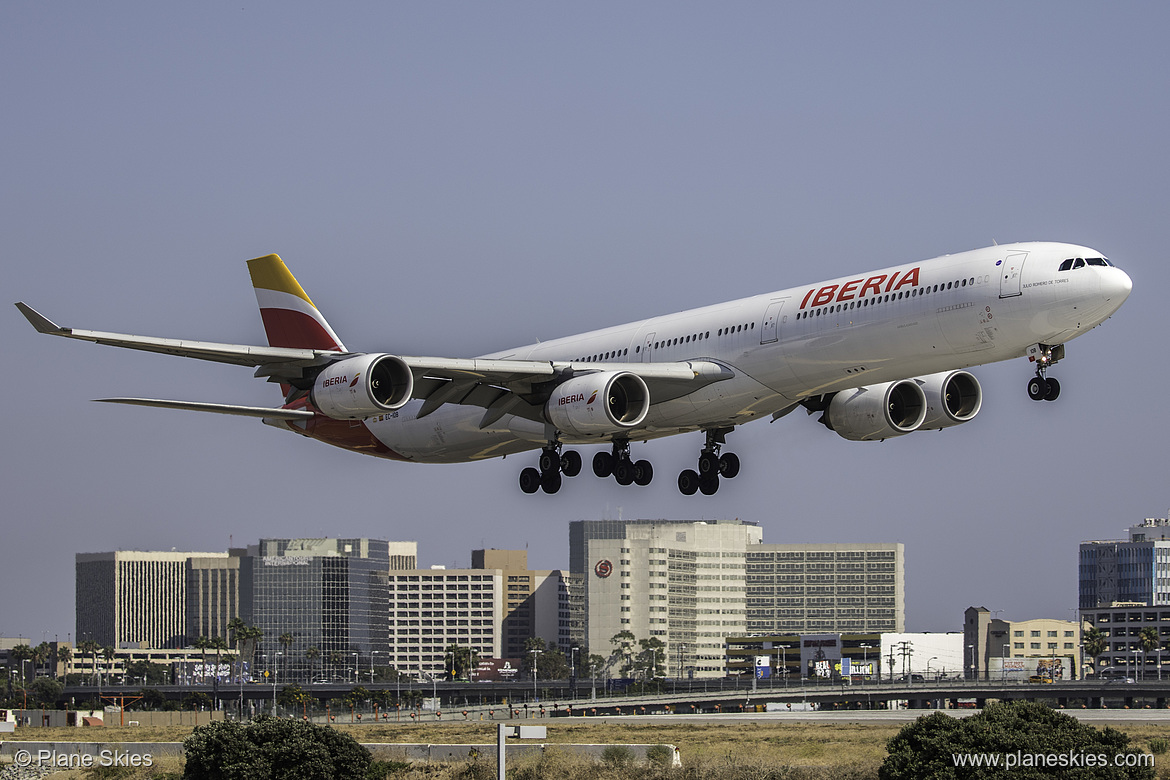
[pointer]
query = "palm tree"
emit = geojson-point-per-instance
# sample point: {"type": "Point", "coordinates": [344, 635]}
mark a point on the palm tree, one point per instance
{"type": "Point", "coordinates": [311, 655]}
{"type": "Point", "coordinates": [64, 656]}
{"type": "Point", "coordinates": [1095, 644]}
{"type": "Point", "coordinates": [1148, 640]}
{"type": "Point", "coordinates": [286, 640]}
{"type": "Point", "coordinates": [21, 653]}
{"type": "Point", "coordinates": [218, 644]}
{"type": "Point", "coordinates": [40, 656]}
{"type": "Point", "coordinates": [91, 647]}
{"type": "Point", "coordinates": [108, 653]}
{"type": "Point", "coordinates": [202, 644]}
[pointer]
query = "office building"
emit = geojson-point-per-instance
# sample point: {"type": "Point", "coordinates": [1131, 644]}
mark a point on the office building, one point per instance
{"type": "Point", "coordinates": [1133, 571]}
{"type": "Point", "coordinates": [991, 644]}
{"type": "Point", "coordinates": [682, 583]}
{"type": "Point", "coordinates": [331, 595]}
{"type": "Point", "coordinates": [1121, 627]}
{"type": "Point", "coordinates": [536, 601]}
{"type": "Point", "coordinates": [434, 609]}
{"type": "Point", "coordinates": [817, 588]}
{"type": "Point", "coordinates": [133, 599]}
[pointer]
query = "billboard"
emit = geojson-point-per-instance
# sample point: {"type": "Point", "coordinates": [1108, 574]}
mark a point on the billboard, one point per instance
{"type": "Point", "coordinates": [497, 669]}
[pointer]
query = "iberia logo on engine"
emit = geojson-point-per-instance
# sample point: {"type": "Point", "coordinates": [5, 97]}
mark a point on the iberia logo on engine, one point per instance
{"type": "Point", "coordinates": [573, 398]}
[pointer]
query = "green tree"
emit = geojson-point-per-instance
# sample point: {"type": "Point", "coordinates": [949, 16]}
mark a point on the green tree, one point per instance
{"type": "Point", "coordinates": [623, 650]}
{"type": "Point", "coordinates": [203, 644]}
{"type": "Point", "coordinates": [109, 653]}
{"type": "Point", "coordinates": [40, 656]}
{"type": "Point", "coordinates": [552, 664]}
{"type": "Point", "coordinates": [1095, 644]}
{"type": "Point", "coordinates": [197, 700]}
{"type": "Point", "coordinates": [311, 655]}
{"type": "Point", "coordinates": [91, 647]}
{"type": "Point", "coordinates": [286, 641]}
{"type": "Point", "coordinates": [150, 673]}
{"type": "Point", "coordinates": [46, 690]}
{"type": "Point", "coordinates": [271, 748]}
{"type": "Point", "coordinates": [19, 655]}
{"type": "Point", "coordinates": [927, 747]}
{"type": "Point", "coordinates": [64, 656]}
{"type": "Point", "coordinates": [459, 660]}
{"type": "Point", "coordinates": [652, 658]}
{"type": "Point", "coordinates": [1148, 641]}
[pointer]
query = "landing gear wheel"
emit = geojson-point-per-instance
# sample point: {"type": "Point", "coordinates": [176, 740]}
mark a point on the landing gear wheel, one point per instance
{"type": "Point", "coordinates": [603, 464]}
{"type": "Point", "coordinates": [708, 463]}
{"type": "Point", "coordinates": [729, 465]}
{"type": "Point", "coordinates": [549, 461]}
{"type": "Point", "coordinates": [643, 473]}
{"type": "Point", "coordinates": [571, 463]}
{"type": "Point", "coordinates": [688, 482]}
{"type": "Point", "coordinates": [550, 481]}
{"type": "Point", "coordinates": [1053, 391]}
{"type": "Point", "coordinates": [709, 486]}
{"type": "Point", "coordinates": [623, 472]}
{"type": "Point", "coordinates": [1038, 388]}
{"type": "Point", "coordinates": [529, 480]}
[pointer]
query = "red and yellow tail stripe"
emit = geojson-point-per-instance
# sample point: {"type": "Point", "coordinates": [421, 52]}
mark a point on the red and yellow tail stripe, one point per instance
{"type": "Point", "coordinates": [290, 318]}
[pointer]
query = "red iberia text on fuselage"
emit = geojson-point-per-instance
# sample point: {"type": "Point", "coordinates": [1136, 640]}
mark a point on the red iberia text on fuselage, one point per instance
{"type": "Point", "coordinates": [859, 288]}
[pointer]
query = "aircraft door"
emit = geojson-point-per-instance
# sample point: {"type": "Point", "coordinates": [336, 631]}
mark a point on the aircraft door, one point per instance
{"type": "Point", "coordinates": [1011, 274]}
{"type": "Point", "coordinates": [768, 328]}
{"type": "Point", "coordinates": [647, 348]}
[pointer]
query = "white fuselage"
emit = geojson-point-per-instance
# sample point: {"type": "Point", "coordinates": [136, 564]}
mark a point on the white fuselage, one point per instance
{"type": "Point", "coordinates": [911, 320]}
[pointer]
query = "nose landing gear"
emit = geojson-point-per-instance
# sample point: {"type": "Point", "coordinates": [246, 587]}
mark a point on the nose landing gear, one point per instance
{"type": "Point", "coordinates": [712, 466]}
{"type": "Point", "coordinates": [1041, 387]}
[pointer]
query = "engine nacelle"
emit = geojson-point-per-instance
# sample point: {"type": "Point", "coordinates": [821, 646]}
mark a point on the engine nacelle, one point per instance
{"type": "Point", "coordinates": [877, 411]}
{"type": "Point", "coordinates": [601, 403]}
{"type": "Point", "coordinates": [358, 387]}
{"type": "Point", "coordinates": [952, 397]}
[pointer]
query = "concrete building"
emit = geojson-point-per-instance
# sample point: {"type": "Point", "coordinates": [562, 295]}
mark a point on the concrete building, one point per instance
{"type": "Point", "coordinates": [134, 599]}
{"type": "Point", "coordinates": [1121, 626]}
{"type": "Point", "coordinates": [1133, 571]}
{"type": "Point", "coordinates": [213, 594]}
{"type": "Point", "coordinates": [682, 583]}
{"type": "Point", "coordinates": [816, 588]}
{"type": "Point", "coordinates": [988, 641]}
{"type": "Point", "coordinates": [329, 594]}
{"type": "Point", "coordinates": [433, 609]}
{"type": "Point", "coordinates": [536, 601]}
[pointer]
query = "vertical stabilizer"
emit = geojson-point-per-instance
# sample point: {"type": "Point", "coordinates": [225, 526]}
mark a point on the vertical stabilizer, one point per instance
{"type": "Point", "coordinates": [290, 318]}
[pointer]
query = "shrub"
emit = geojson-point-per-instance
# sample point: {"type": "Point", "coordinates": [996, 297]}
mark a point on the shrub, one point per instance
{"type": "Point", "coordinates": [660, 755]}
{"type": "Point", "coordinates": [927, 747]}
{"type": "Point", "coordinates": [273, 748]}
{"type": "Point", "coordinates": [1158, 746]}
{"type": "Point", "coordinates": [617, 755]}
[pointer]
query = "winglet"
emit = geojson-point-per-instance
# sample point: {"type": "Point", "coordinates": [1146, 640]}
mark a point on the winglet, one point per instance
{"type": "Point", "coordinates": [39, 321]}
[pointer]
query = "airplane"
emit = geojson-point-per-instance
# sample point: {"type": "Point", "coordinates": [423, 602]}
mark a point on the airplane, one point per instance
{"type": "Point", "coordinates": [877, 355]}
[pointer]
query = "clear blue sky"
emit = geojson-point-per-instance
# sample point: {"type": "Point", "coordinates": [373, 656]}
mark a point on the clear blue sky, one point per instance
{"type": "Point", "coordinates": [455, 178]}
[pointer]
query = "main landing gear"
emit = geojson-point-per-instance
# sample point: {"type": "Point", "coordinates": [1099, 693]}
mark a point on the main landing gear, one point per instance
{"type": "Point", "coordinates": [553, 464]}
{"type": "Point", "coordinates": [1041, 387]}
{"type": "Point", "coordinates": [712, 466]}
{"type": "Point", "coordinates": [621, 467]}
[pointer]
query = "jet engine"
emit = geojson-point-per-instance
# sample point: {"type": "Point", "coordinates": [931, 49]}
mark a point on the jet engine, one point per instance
{"type": "Point", "coordinates": [600, 403]}
{"type": "Point", "coordinates": [358, 387]}
{"type": "Point", "coordinates": [952, 397]}
{"type": "Point", "coordinates": [877, 411]}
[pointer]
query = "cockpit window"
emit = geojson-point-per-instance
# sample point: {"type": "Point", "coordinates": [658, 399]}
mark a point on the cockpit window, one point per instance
{"type": "Point", "coordinates": [1080, 262]}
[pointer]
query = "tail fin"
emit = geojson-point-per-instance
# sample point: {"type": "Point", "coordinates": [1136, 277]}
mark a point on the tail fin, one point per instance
{"type": "Point", "coordinates": [290, 318]}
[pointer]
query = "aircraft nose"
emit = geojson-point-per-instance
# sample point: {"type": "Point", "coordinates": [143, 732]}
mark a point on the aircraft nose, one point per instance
{"type": "Point", "coordinates": [1116, 285]}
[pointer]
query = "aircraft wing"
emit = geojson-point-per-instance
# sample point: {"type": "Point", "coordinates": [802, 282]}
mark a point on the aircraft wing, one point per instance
{"type": "Point", "coordinates": [500, 387]}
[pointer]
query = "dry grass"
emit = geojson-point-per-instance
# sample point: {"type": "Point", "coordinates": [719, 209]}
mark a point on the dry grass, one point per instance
{"type": "Point", "coordinates": [740, 751]}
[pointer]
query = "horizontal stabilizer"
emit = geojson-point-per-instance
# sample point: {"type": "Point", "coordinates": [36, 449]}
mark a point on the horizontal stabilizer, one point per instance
{"type": "Point", "coordinates": [196, 406]}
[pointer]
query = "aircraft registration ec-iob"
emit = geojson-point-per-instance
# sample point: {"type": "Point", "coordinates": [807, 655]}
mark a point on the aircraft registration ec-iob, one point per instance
{"type": "Point", "coordinates": [878, 354]}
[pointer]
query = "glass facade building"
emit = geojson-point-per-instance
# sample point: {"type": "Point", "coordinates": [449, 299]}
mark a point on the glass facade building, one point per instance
{"type": "Point", "coordinates": [330, 595]}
